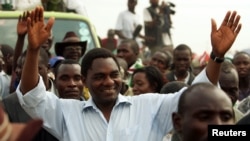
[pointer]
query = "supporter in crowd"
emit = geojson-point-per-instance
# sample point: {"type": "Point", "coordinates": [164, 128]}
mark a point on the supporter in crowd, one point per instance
{"type": "Point", "coordinates": [172, 87]}
{"type": "Point", "coordinates": [229, 82]}
{"type": "Point", "coordinates": [68, 80]}
{"type": "Point", "coordinates": [127, 24]}
{"type": "Point", "coordinates": [110, 42]}
{"type": "Point", "coordinates": [181, 67]}
{"type": "Point", "coordinates": [71, 47]}
{"type": "Point", "coordinates": [129, 51]}
{"type": "Point", "coordinates": [5, 76]}
{"type": "Point", "coordinates": [125, 89]}
{"type": "Point", "coordinates": [147, 79]}
{"type": "Point", "coordinates": [162, 60]}
{"type": "Point", "coordinates": [197, 110]}
{"type": "Point", "coordinates": [53, 62]}
{"type": "Point", "coordinates": [242, 62]}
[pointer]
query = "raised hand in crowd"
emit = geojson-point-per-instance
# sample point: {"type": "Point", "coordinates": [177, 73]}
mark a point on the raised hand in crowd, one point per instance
{"type": "Point", "coordinates": [222, 40]}
{"type": "Point", "coordinates": [38, 31]}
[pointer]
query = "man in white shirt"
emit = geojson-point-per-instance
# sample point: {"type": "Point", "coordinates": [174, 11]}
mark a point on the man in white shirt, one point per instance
{"type": "Point", "coordinates": [108, 115]}
{"type": "Point", "coordinates": [127, 22]}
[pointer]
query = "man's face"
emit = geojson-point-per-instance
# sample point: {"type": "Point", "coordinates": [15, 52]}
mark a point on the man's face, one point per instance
{"type": "Point", "coordinates": [73, 52]}
{"type": "Point", "coordinates": [69, 81]}
{"type": "Point", "coordinates": [132, 4]}
{"type": "Point", "coordinates": [202, 111]}
{"type": "Point", "coordinates": [242, 64]}
{"type": "Point", "coordinates": [159, 60]}
{"type": "Point", "coordinates": [124, 51]}
{"type": "Point", "coordinates": [229, 83]}
{"type": "Point", "coordinates": [103, 81]}
{"type": "Point", "coordinates": [182, 60]}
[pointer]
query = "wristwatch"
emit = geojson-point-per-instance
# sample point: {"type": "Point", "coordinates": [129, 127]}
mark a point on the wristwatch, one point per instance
{"type": "Point", "coordinates": [215, 58]}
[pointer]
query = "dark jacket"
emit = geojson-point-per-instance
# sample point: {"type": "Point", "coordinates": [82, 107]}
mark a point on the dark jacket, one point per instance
{"type": "Point", "coordinates": [17, 114]}
{"type": "Point", "coordinates": [170, 77]}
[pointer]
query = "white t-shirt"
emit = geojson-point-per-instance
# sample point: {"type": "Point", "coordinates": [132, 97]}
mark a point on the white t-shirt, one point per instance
{"type": "Point", "coordinates": [126, 23]}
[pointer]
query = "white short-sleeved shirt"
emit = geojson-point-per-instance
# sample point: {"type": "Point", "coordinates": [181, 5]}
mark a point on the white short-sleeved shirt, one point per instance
{"type": "Point", "coordinates": [126, 23]}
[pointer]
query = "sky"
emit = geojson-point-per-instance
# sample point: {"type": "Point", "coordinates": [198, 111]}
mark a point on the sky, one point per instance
{"type": "Point", "coordinates": [191, 22]}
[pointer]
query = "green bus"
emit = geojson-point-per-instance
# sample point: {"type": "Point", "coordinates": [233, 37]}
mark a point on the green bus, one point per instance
{"type": "Point", "coordinates": [64, 22]}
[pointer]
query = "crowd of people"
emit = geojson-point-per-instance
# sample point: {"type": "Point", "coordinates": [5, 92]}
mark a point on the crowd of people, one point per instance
{"type": "Point", "coordinates": [114, 92]}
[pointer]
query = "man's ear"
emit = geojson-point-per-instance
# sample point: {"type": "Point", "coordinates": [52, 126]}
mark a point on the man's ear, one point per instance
{"type": "Point", "coordinates": [176, 119]}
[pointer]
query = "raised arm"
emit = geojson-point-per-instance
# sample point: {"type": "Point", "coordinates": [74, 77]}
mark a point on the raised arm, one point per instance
{"type": "Point", "coordinates": [222, 40]}
{"type": "Point", "coordinates": [38, 33]}
{"type": "Point", "coordinates": [21, 33]}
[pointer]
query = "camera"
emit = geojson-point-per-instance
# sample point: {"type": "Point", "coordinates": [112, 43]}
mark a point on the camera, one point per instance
{"type": "Point", "coordinates": [166, 7]}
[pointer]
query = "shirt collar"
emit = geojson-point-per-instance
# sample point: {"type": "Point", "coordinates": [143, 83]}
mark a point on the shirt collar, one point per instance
{"type": "Point", "coordinates": [120, 100]}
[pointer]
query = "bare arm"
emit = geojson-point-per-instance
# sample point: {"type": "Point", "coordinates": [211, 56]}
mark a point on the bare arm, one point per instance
{"type": "Point", "coordinates": [38, 33]}
{"type": "Point", "coordinates": [21, 33]}
{"type": "Point", "coordinates": [120, 34]}
{"type": "Point", "coordinates": [222, 40]}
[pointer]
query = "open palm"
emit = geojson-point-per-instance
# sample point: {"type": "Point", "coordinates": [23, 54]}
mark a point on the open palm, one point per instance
{"type": "Point", "coordinates": [223, 38]}
{"type": "Point", "coordinates": [38, 31]}
{"type": "Point", "coordinates": [22, 23]}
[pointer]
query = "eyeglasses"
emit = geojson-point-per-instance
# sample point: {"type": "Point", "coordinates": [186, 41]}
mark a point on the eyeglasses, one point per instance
{"type": "Point", "coordinates": [71, 48]}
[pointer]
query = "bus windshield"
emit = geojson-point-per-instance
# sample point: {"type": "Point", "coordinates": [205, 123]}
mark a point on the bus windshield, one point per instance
{"type": "Point", "coordinates": [8, 33]}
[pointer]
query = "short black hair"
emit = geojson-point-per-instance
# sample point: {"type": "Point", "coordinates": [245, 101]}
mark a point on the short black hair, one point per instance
{"type": "Point", "coordinates": [93, 54]}
{"type": "Point", "coordinates": [154, 76]}
{"type": "Point", "coordinates": [7, 50]}
{"type": "Point", "coordinates": [172, 87]}
{"type": "Point", "coordinates": [191, 89]}
{"type": "Point", "coordinates": [240, 53]}
{"type": "Point", "coordinates": [133, 44]}
{"type": "Point", "coordinates": [227, 66]}
{"type": "Point", "coordinates": [183, 47]}
{"type": "Point", "coordinates": [66, 61]}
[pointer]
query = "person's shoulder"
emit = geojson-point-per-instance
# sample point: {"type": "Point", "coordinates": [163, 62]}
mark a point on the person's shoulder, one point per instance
{"type": "Point", "coordinates": [123, 12]}
{"type": "Point", "coordinates": [10, 97]}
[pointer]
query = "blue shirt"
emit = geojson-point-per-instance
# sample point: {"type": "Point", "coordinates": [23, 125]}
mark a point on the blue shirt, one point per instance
{"type": "Point", "coordinates": [145, 117]}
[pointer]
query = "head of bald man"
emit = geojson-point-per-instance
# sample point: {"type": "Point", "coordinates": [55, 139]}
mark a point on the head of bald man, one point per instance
{"type": "Point", "coordinates": [201, 105]}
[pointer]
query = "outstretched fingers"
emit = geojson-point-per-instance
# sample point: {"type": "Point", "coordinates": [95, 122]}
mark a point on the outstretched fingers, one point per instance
{"type": "Point", "coordinates": [237, 31]}
{"type": "Point", "coordinates": [50, 24]}
{"type": "Point", "coordinates": [236, 26]}
{"type": "Point", "coordinates": [225, 21]}
{"type": "Point", "coordinates": [40, 15]}
{"type": "Point", "coordinates": [29, 24]}
{"type": "Point", "coordinates": [214, 26]}
{"type": "Point", "coordinates": [231, 19]}
{"type": "Point", "coordinates": [32, 17]}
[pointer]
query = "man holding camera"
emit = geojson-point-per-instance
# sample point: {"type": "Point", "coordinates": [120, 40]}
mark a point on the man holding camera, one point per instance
{"type": "Point", "coordinates": [157, 24]}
